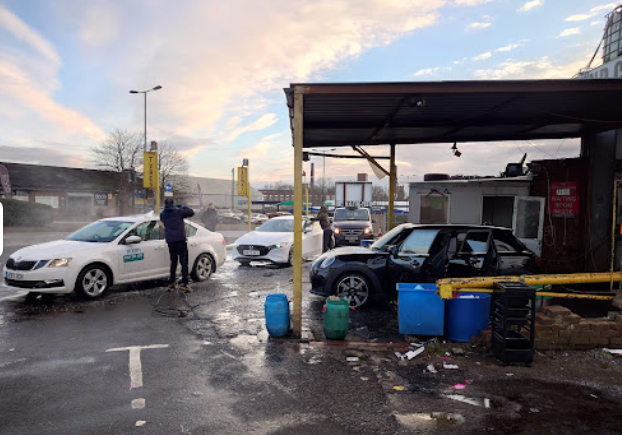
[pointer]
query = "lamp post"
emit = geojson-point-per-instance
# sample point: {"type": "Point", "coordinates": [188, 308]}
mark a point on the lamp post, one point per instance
{"type": "Point", "coordinates": [145, 94]}
{"type": "Point", "coordinates": [156, 191]}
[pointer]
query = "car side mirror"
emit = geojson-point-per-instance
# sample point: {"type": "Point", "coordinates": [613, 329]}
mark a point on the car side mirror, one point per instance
{"type": "Point", "coordinates": [131, 240]}
{"type": "Point", "coordinates": [373, 221]}
{"type": "Point", "coordinates": [393, 250]}
{"type": "Point", "coordinates": [308, 229]}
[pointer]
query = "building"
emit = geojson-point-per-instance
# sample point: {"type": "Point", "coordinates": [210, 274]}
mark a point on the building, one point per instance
{"type": "Point", "coordinates": [222, 193]}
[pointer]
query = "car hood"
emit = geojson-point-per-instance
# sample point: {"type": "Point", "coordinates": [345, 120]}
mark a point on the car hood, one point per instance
{"type": "Point", "coordinates": [349, 250]}
{"type": "Point", "coordinates": [352, 224]}
{"type": "Point", "coordinates": [264, 238]}
{"type": "Point", "coordinates": [55, 249]}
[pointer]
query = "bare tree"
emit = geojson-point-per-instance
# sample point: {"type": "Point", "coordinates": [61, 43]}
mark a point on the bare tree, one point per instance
{"type": "Point", "coordinates": [173, 168]}
{"type": "Point", "coordinates": [118, 151]}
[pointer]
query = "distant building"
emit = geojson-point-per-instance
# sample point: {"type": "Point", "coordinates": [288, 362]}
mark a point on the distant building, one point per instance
{"type": "Point", "coordinates": [73, 193]}
{"type": "Point", "coordinates": [222, 193]}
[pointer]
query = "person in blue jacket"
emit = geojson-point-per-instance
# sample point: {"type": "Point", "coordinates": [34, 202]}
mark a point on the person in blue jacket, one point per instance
{"type": "Point", "coordinates": [175, 236]}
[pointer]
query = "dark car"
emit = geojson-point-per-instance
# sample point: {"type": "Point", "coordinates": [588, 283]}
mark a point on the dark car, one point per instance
{"type": "Point", "coordinates": [351, 225]}
{"type": "Point", "coordinates": [412, 253]}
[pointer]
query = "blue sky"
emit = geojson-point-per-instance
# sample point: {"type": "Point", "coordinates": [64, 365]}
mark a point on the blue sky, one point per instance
{"type": "Point", "coordinates": [66, 68]}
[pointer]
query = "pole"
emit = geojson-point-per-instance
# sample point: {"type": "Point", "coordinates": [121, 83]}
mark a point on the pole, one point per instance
{"type": "Point", "coordinates": [232, 186]}
{"type": "Point", "coordinates": [323, 176]}
{"type": "Point", "coordinates": [297, 266]}
{"type": "Point", "coordinates": [145, 94]}
{"type": "Point", "coordinates": [392, 180]}
{"type": "Point", "coordinates": [157, 186]}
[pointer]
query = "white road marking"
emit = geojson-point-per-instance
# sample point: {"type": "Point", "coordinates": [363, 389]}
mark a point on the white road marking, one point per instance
{"type": "Point", "coordinates": [140, 423]}
{"type": "Point", "coordinates": [138, 403]}
{"type": "Point", "coordinates": [136, 371]}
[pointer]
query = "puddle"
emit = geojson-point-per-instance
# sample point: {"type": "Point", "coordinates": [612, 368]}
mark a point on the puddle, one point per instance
{"type": "Point", "coordinates": [475, 401]}
{"type": "Point", "coordinates": [429, 421]}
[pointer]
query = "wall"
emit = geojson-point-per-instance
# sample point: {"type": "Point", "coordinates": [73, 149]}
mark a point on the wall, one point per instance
{"type": "Point", "coordinates": [465, 196]}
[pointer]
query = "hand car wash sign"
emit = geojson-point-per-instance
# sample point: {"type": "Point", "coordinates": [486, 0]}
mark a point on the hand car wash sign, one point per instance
{"type": "Point", "coordinates": [564, 199]}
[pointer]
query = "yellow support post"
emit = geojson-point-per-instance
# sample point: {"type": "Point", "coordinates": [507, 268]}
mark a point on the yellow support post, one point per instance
{"type": "Point", "coordinates": [298, 145]}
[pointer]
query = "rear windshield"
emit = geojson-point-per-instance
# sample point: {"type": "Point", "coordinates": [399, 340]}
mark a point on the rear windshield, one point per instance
{"type": "Point", "coordinates": [506, 242]}
{"type": "Point", "coordinates": [356, 214]}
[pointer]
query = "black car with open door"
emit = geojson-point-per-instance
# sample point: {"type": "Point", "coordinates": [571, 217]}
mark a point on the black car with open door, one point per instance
{"type": "Point", "coordinates": [412, 253]}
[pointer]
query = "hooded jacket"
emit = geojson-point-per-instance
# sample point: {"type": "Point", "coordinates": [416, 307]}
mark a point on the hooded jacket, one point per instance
{"type": "Point", "coordinates": [173, 220]}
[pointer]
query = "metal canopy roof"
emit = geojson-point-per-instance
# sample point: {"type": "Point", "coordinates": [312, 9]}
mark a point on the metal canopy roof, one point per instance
{"type": "Point", "coordinates": [345, 114]}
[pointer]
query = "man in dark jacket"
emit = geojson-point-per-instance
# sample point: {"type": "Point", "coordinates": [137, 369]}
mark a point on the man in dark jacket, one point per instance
{"type": "Point", "coordinates": [210, 217]}
{"type": "Point", "coordinates": [324, 220]}
{"type": "Point", "coordinates": [175, 235]}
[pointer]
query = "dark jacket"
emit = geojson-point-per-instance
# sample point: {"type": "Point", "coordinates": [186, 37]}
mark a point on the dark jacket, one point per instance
{"type": "Point", "coordinates": [210, 217]}
{"type": "Point", "coordinates": [173, 220]}
{"type": "Point", "coordinates": [323, 218]}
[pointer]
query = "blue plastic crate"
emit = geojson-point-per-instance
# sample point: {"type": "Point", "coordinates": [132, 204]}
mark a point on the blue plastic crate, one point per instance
{"type": "Point", "coordinates": [421, 311]}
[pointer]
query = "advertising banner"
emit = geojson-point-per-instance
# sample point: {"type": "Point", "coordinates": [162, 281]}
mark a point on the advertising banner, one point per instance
{"type": "Point", "coordinates": [242, 180]}
{"type": "Point", "coordinates": [150, 164]}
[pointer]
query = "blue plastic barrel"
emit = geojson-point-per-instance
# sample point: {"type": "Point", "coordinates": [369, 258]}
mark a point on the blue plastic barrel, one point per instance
{"type": "Point", "coordinates": [467, 316]}
{"type": "Point", "coordinates": [366, 243]}
{"type": "Point", "coordinates": [277, 314]}
{"type": "Point", "coordinates": [420, 309]}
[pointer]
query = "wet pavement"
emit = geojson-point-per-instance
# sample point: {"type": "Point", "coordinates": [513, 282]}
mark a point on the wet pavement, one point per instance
{"type": "Point", "coordinates": [221, 373]}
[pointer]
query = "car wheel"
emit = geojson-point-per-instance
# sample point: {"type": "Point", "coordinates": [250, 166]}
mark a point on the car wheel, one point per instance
{"type": "Point", "coordinates": [354, 287]}
{"type": "Point", "coordinates": [203, 268]}
{"type": "Point", "coordinates": [93, 282]}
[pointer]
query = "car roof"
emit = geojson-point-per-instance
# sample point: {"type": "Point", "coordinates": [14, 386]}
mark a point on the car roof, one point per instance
{"type": "Point", "coordinates": [134, 218]}
{"type": "Point", "coordinates": [457, 226]}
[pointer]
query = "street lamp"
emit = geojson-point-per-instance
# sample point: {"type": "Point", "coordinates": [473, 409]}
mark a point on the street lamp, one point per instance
{"type": "Point", "coordinates": [145, 93]}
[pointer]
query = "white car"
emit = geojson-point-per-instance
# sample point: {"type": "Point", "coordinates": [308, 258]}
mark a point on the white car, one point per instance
{"type": "Point", "coordinates": [257, 218]}
{"type": "Point", "coordinates": [273, 241]}
{"type": "Point", "coordinates": [110, 251]}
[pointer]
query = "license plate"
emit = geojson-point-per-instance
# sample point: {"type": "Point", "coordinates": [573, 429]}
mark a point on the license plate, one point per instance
{"type": "Point", "coordinates": [249, 252]}
{"type": "Point", "coordinates": [352, 239]}
{"type": "Point", "coordinates": [13, 275]}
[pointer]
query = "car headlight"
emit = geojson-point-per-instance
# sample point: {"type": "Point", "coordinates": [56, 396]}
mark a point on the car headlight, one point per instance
{"type": "Point", "coordinates": [367, 230]}
{"type": "Point", "coordinates": [60, 262]}
{"type": "Point", "coordinates": [337, 230]}
{"type": "Point", "coordinates": [279, 245]}
{"type": "Point", "coordinates": [326, 263]}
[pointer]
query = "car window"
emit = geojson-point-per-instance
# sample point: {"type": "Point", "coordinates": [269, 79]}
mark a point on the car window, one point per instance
{"type": "Point", "coordinates": [147, 231]}
{"type": "Point", "coordinates": [190, 231]}
{"type": "Point", "coordinates": [418, 242]}
{"type": "Point", "coordinates": [505, 242]}
{"type": "Point", "coordinates": [100, 231]}
{"type": "Point", "coordinates": [475, 242]}
{"type": "Point", "coordinates": [345, 214]}
{"type": "Point", "coordinates": [392, 238]}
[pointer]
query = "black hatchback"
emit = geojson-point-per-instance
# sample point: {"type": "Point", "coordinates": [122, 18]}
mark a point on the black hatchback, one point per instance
{"type": "Point", "coordinates": [412, 253]}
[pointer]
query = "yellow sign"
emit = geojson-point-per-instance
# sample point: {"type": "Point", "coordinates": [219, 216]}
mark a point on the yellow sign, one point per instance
{"type": "Point", "coordinates": [150, 164]}
{"type": "Point", "coordinates": [242, 180]}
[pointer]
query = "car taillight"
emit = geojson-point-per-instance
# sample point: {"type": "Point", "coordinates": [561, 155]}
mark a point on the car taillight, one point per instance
{"type": "Point", "coordinates": [539, 261]}
{"type": "Point", "coordinates": [223, 242]}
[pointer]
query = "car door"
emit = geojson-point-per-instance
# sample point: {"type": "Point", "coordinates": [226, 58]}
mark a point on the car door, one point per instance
{"type": "Point", "coordinates": [470, 253]}
{"type": "Point", "coordinates": [312, 235]}
{"type": "Point", "coordinates": [146, 259]}
{"type": "Point", "coordinates": [193, 244]}
{"type": "Point", "coordinates": [409, 261]}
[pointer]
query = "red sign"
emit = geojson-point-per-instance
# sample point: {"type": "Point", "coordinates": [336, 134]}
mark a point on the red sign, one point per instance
{"type": "Point", "coordinates": [564, 199]}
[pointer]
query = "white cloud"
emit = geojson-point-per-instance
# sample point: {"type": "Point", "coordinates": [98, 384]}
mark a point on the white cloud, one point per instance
{"type": "Point", "coordinates": [471, 2]}
{"type": "Point", "coordinates": [21, 31]}
{"type": "Point", "coordinates": [430, 71]}
{"type": "Point", "coordinates": [592, 12]}
{"type": "Point", "coordinates": [483, 56]}
{"type": "Point", "coordinates": [542, 68]}
{"type": "Point", "coordinates": [530, 6]}
{"type": "Point", "coordinates": [262, 123]}
{"type": "Point", "coordinates": [478, 26]}
{"type": "Point", "coordinates": [99, 26]}
{"type": "Point", "coordinates": [569, 32]}
{"type": "Point", "coordinates": [508, 47]}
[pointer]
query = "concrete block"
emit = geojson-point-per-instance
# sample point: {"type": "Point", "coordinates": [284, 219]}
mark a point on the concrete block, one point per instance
{"type": "Point", "coordinates": [617, 300]}
{"type": "Point", "coordinates": [615, 342]}
{"type": "Point", "coordinates": [543, 319]}
{"type": "Point", "coordinates": [556, 311]}
{"type": "Point", "coordinates": [579, 340]}
{"type": "Point", "coordinates": [609, 333]}
{"type": "Point", "coordinates": [599, 341]}
{"type": "Point", "coordinates": [582, 326]}
{"type": "Point", "coordinates": [572, 319]}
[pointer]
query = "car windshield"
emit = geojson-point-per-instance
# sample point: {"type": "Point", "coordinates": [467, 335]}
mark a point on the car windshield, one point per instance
{"type": "Point", "coordinates": [392, 238]}
{"type": "Point", "coordinates": [356, 214]}
{"type": "Point", "coordinates": [100, 231]}
{"type": "Point", "coordinates": [277, 226]}
{"type": "Point", "coordinates": [418, 242]}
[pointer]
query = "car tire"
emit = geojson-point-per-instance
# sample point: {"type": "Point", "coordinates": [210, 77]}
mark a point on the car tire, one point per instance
{"type": "Point", "coordinates": [290, 257]}
{"type": "Point", "coordinates": [355, 287]}
{"type": "Point", "coordinates": [203, 268]}
{"type": "Point", "coordinates": [93, 282]}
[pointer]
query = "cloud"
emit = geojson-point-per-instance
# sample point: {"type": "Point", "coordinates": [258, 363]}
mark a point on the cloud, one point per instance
{"type": "Point", "coordinates": [430, 71]}
{"type": "Point", "coordinates": [592, 12]}
{"type": "Point", "coordinates": [49, 156]}
{"type": "Point", "coordinates": [99, 26]}
{"type": "Point", "coordinates": [530, 6]}
{"type": "Point", "coordinates": [262, 123]}
{"type": "Point", "coordinates": [478, 26]}
{"type": "Point", "coordinates": [471, 2]}
{"type": "Point", "coordinates": [569, 32]}
{"type": "Point", "coordinates": [21, 31]}
{"type": "Point", "coordinates": [483, 56]}
{"type": "Point", "coordinates": [508, 47]}
{"type": "Point", "coordinates": [542, 68]}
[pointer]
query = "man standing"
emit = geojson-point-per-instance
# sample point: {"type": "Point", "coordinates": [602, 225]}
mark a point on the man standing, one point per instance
{"type": "Point", "coordinates": [210, 217]}
{"type": "Point", "coordinates": [175, 235]}
{"type": "Point", "coordinates": [324, 220]}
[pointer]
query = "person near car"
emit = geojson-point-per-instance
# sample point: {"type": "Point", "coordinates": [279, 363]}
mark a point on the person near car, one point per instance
{"type": "Point", "coordinates": [175, 236]}
{"type": "Point", "coordinates": [322, 217]}
{"type": "Point", "coordinates": [210, 217]}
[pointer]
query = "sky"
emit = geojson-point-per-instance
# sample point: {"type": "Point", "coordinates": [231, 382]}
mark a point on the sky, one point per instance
{"type": "Point", "coordinates": [67, 66]}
